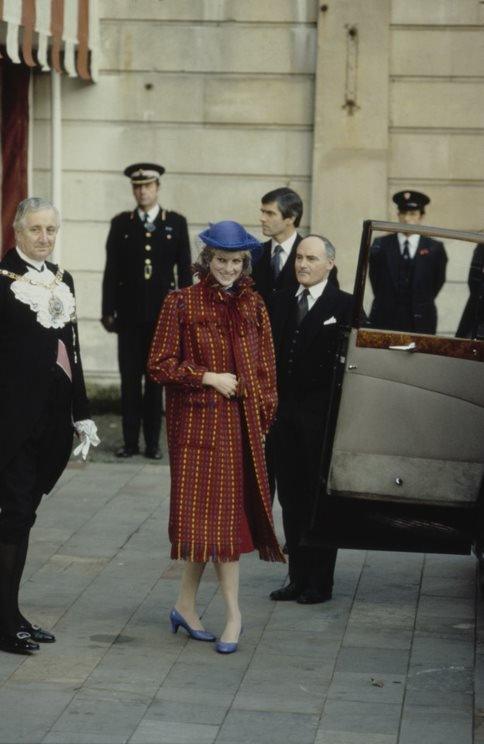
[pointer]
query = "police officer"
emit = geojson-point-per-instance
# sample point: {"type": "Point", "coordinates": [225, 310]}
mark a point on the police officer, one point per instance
{"type": "Point", "coordinates": [406, 272]}
{"type": "Point", "coordinates": [143, 249]}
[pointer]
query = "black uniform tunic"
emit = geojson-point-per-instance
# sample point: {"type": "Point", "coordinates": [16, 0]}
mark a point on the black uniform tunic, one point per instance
{"type": "Point", "coordinates": [143, 262]}
{"type": "Point", "coordinates": [405, 296]}
{"type": "Point", "coordinates": [38, 402]}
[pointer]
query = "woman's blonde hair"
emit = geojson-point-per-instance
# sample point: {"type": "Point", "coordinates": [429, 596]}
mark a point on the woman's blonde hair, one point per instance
{"type": "Point", "coordinates": [202, 264]}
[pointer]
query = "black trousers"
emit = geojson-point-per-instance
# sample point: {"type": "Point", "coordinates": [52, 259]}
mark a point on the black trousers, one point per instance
{"type": "Point", "coordinates": [37, 464]}
{"type": "Point", "coordinates": [296, 446]}
{"type": "Point", "coordinates": [269, 455]}
{"type": "Point", "coordinates": [138, 403]}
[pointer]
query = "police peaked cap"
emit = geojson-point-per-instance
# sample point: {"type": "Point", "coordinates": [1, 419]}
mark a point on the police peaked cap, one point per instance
{"type": "Point", "coordinates": [407, 201]}
{"type": "Point", "coordinates": [144, 172]}
{"type": "Point", "coordinates": [231, 236]}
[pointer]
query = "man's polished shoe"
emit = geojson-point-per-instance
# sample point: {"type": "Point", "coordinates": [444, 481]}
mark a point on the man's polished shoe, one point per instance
{"type": "Point", "coordinates": [153, 453]}
{"type": "Point", "coordinates": [286, 594]}
{"type": "Point", "coordinates": [310, 596]}
{"type": "Point", "coordinates": [177, 621]}
{"type": "Point", "coordinates": [127, 451]}
{"type": "Point", "coordinates": [19, 643]}
{"type": "Point", "coordinates": [37, 634]}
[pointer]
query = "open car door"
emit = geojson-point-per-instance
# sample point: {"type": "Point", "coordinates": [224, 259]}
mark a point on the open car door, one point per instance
{"type": "Point", "coordinates": [403, 459]}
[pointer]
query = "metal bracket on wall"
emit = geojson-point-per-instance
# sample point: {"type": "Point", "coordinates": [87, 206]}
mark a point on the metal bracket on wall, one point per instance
{"type": "Point", "coordinates": [351, 80]}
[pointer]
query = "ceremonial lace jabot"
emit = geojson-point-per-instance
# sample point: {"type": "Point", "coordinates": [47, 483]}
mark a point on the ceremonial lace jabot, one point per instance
{"type": "Point", "coordinates": [46, 295]}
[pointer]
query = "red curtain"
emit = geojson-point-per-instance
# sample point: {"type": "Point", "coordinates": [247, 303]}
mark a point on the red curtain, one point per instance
{"type": "Point", "coordinates": [14, 133]}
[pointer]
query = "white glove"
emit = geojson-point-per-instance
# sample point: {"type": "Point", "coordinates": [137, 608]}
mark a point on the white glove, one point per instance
{"type": "Point", "coordinates": [87, 431]}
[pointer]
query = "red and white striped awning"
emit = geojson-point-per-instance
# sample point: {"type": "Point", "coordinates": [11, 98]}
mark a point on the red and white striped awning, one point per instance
{"type": "Point", "coordinates": [58, 34]}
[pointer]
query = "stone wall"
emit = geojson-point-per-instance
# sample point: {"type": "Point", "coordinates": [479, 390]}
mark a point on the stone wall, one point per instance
{"type": "Point", "coordinates": [417, 71]}
{"type": "Point", "coordinates": [220, 92]}
{"type": "Point", "coordinates": [236, 97]}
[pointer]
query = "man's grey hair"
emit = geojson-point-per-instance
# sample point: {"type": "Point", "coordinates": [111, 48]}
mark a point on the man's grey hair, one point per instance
{"type": "Point", "coordinates": [328, 246]}
{"type": "Point", "coordinates": [32, 204]}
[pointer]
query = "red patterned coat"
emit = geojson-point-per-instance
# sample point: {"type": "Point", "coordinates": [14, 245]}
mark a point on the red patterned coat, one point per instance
{"type": "Point", "coordinates": [216, 444]}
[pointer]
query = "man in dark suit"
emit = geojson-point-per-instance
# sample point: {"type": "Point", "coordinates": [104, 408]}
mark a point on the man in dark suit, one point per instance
{"type": "Point", "coordinates": [281, 212]}
{"type": "Point", "coordinates": [406, 273]}
{"type": "Point", "coordinates": [144, 247]}
{"type": "Point", "coordinates": [42, 393]}
{"type": "Point", "coordinates": [305, 326]}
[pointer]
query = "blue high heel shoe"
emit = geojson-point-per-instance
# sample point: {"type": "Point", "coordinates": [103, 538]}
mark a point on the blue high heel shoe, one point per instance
{"type": "Point", "coordinates": [223, 647]}
{"type": "Point", "coordinates": [178, 620]}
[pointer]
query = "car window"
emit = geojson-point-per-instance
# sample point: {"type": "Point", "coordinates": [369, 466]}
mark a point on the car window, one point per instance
{"type": "Point", "coordinates": [432, 284]}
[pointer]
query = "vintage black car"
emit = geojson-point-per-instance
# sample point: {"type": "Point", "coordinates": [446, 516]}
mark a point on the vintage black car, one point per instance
{"type": "Point", "coordinates": [402, 465]}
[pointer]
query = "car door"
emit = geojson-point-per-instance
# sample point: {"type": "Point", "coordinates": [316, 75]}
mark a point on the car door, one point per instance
{"type": "Point", "coordinates": [403, 460]}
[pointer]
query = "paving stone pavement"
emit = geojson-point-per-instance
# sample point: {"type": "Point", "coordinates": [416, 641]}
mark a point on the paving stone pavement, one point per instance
{"type": "Point", "coordinates": [396, 658]}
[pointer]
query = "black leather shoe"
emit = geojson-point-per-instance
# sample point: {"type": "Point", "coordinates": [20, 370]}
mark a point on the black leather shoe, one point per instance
{"type": "Point", "coordinates": [153, 453]}
{"type": "Point", "coordinates": [310, 596]}
{"type": "Point", "coordinates": [127, 451]}
{"type": "Point", "coordinates": [286, 594]}
{"type": "Point", "coordinates": [37, 634]}
{"type": "Point", "coordinates": [19, 643]}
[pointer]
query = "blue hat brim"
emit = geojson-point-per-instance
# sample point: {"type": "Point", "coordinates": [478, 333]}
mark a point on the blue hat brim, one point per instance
{"type": "Point", "coordinates": [244, 242]}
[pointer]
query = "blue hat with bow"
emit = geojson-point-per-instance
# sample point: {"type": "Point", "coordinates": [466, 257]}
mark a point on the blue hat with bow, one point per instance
{"type": "Point", "coordinates": [231, 236]}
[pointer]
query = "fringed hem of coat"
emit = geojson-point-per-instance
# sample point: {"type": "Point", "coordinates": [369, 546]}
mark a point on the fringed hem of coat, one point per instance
{"type": "Point", "coordinates": [205, 553]}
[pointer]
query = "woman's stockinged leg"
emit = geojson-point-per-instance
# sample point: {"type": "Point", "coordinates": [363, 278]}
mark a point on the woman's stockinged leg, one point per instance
{"type": "Point", "coordinates": [187, 595]}
{"type": "Point", "coordinates": [228, 577]}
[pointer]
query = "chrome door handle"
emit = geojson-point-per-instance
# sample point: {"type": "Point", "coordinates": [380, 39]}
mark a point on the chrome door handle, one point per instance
{"type": "Point", "coordinates": [407, 347]}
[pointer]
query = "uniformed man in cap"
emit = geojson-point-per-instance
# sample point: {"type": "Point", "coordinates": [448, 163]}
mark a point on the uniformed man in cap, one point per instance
{"type": "Point", "coordinates": [145, 248]}
{"type": "Point", "coordinates": [406, 273]}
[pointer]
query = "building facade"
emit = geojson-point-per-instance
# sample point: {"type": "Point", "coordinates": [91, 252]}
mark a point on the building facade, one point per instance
{"type": "Point", "coordinates": [346, 102]}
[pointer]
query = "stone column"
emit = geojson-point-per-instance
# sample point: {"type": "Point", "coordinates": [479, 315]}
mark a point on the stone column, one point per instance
{"type": "Point", "coordinates": [350, 158]}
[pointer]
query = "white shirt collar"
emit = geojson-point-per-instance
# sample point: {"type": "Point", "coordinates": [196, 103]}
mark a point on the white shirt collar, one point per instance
{"type": "Point", "coordinates": [152, 213]}
{"type": "Point", "coordinates": [315, 291]}
{"type": "Point", "coordinates": [412, 243]}
{"type": "Point", "coordinates": [39, 265]}
{"type": "Point", "coordinates": [286, 245]}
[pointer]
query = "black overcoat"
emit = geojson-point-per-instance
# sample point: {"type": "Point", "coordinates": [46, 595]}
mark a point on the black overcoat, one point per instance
{"type": "Point", "coordinates": [28, 354]}
{"type": "Point", "coordinates": [473, 315]}
{"type": "Point", "coordinates": [127, 293]}
{"type": "Point", "coordinates": [305, 359]}
{"type": "Point", "coordinates": [428, 277]}
{"type": "Point", "coordinates": [307, 378]}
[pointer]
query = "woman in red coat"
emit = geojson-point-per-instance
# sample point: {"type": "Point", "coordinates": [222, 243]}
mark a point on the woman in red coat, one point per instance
{"type": "Point", "coordinates": [213, 350]}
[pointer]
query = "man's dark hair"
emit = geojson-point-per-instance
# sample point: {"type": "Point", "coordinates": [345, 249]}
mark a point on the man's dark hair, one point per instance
{"type": "Point", "coordinates": [289, 203]}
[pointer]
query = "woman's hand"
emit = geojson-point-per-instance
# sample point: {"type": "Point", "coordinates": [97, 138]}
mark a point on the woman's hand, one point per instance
{"type": "Point", "coordinates": [224, 383]}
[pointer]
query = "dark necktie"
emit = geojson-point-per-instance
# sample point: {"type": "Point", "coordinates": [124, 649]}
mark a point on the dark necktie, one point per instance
{"type": "Point", "coordinates": [276, 261]}
{"type": "Point", "coordinates": [302, 306]}
{"type": "Point", "coordinates": [406, 252]}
